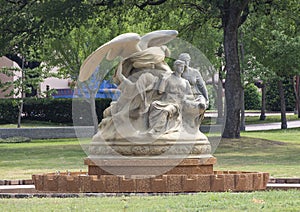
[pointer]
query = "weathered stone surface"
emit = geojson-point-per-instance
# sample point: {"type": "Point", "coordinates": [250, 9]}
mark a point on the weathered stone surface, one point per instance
{"type": "Point", "coordinates": [170, 148]}
{"type": "Point", "coordinates": [216, 182]}
{"type": "Point", "coordinates": [149, 167]}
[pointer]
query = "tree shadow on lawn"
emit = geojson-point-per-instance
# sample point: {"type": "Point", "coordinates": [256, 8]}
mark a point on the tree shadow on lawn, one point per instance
{"type": "Point", "coordinates": [275, 157]}
{"type": "Point", "coordinates": [244, 154]}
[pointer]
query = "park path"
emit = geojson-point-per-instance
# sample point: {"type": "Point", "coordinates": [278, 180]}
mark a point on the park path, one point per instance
{"type": "Point", "coordinates": [271, 126]}
{"type": "Point", "coordinates": [264, 126]}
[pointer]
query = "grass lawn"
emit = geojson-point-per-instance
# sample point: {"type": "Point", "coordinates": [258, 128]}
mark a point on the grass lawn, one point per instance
{"type": "Point", "coordinates": [254, 201]}
{"type": "Point", "coordinates": [255, 119]}
{"type": "Point", "coordinates": [276, 152]}
{"type": "Point", "coordinates": [269, 119]}
{"type": "Point", "coordinates": [27, 124]}
{"type": "Point", "coordinates": [21, 160]}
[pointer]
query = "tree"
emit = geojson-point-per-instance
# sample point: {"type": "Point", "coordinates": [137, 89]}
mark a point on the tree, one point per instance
{"type": "Point", "coordinates": [275, 42]}
{"type": "Point", "coordinates": [26, 80]}
{"type": "Point", "coordinates": [34, 24]}
{"type": "Point", "coordinates": [28, 24]}
{"type": "Point", "coordinates": [69, 52]}
{"type": "Point", "coordinates": [256, 73]}
{"type": "Point", "coordinates": [283, 51]}
{"type": "Point", "coordinates": [229, 15]}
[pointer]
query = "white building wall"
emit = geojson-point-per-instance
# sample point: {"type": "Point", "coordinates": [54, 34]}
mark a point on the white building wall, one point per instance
{"type": "Point", "coordinates": [54, 83]}
{"type": "Point", "coordinates": [7, 63]}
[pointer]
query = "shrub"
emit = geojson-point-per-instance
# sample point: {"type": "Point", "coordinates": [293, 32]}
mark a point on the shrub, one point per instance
{"type": "Point", "coordinates": [51, 110]}
{"type": "Point", "coordinates": [252, 97]}
{"type": "Point", "coordinates": [8, 111]}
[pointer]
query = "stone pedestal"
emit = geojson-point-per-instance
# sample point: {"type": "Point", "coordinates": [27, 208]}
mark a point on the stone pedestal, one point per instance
{"type": "Point", "coordinates": [159, 167]}
{"type": "Point", "coordinates": [147, 168]}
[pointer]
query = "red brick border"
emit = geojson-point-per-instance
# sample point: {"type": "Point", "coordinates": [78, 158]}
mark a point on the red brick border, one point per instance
{"type": "Point", "coordinates": [219, 181]}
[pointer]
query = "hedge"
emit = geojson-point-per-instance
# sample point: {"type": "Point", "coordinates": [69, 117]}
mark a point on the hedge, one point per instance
{"type": "Point", "coordinates": [273, 99]}
{"type": "Point", "coordinates": [50, 110]}
{"type": "Point", "coordinates": [8, 111]}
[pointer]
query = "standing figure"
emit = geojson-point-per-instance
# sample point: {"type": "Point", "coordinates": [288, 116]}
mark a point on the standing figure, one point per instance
{"type": "Point", "coordinates": [195, 79]}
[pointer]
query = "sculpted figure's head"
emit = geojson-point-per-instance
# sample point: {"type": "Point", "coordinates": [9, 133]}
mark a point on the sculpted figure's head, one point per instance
{"type": "Point", "coordinates": [179, 66]}
{"type": "Point", "coordinates": [185, 57]}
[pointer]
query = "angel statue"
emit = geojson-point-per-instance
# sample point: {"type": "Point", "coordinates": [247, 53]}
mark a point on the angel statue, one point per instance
{"type": "Point", "coordinates": [155, 100]}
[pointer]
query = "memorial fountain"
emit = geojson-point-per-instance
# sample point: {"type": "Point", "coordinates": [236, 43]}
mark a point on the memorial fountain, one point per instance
{"type": "Point", "coordinates": [149, 139]}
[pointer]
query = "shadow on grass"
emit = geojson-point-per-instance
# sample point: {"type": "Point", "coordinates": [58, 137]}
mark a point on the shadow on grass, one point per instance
{"type": "Point", "coordinates": [277, 158]}
{"type": "Point", "coordinates": [244, 154]}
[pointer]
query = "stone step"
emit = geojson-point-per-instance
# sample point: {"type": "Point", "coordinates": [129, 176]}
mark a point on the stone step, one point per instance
{"type": "Point", "coordinates": [17, 189]}
{"type": "Point", "coordinates": [282, 186]}
{"type": "Point", "coordinates": [16, 182]}
{"type": "Point", "coordinates": [26, 191]}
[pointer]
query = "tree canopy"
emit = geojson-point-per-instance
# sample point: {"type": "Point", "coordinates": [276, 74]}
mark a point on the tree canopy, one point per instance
{"type": "Point", "coordinates": [69, 30]}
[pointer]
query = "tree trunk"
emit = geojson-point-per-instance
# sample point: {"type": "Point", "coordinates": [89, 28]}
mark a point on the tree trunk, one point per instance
{"type": "Point", "coordinates": [298, 89]}
{"type": "Point", "coordinates": [243, 125]}
{"type": "Point", "coordinates": [21, 103]}
{"type": "Point", "coordinates": [94, 113]}
{"type": "Point", "coordinates": [242, 53]}
{"type": "Point", "coordinates": [282, 105]}
{"type": "Point", "coordinates": [20, 112]}
{"type": "Point", "coordinates": [220, 118]}
{"type": "Point", "coordinates": [233, 85]}
{"type": "Point", "coordinates": [263, 103]}
{"type": "Point", "coordinates": [296, 83]}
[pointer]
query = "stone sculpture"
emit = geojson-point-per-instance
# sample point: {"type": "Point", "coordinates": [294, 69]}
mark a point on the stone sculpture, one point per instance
{"type": "Point", "coordinates": [159, 111]}
{"type": "Point", "coordinates": [155, 101]}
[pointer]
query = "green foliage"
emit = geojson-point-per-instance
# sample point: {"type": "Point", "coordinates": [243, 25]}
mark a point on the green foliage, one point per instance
{"type": "Point", "coordinates": [253, 70]}
{"type": "Point", "coordinates": [283, 54]}
{"type": "Point", "coordinates": [8, 111]}
{"type": "Point", "coordinates": [273, 99]}
{"type": "Point", "coordinates": [15, 140]}
{"type": "Point", "coordinates": [272, 36]}
{"type": "Point", "coordinates": [29, 23]}
{"type": "Point", "coordinates": [252, 97]}
{"type": "Point", "coordinates": [212, 97]}
{"type": "Point", "coordinates": [51, 110]}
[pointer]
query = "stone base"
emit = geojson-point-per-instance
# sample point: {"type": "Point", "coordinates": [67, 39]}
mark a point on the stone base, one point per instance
{"type": "Point", "coordinates": [149, 168]}
{"type": "Point", "coordinates": [190, 175]}
{"type": "Point", "coordinates": [218, 181]}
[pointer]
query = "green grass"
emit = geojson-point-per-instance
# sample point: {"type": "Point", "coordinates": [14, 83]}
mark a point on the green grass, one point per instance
{"type": "Point", "coordinates": [255, 119]}
{"type": "Point", "coordinates": [269, 119]}
{"type": "Point", "coordinates": [276, 152]}
{"type": "Point", "coordinates": [254, 201]}
{"type": "Point", "coordinates": [28, 124]}
{"type": "Point", "coordinates": [20, 161]}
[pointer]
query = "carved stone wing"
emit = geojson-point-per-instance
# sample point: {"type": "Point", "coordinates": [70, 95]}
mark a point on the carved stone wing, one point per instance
{"type": "Point", "coordinates": [157, 38]}
{"type": "Point", "coordinates": [123, 45]}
